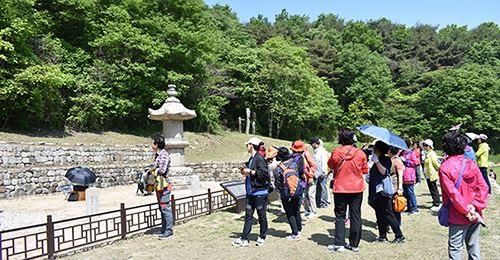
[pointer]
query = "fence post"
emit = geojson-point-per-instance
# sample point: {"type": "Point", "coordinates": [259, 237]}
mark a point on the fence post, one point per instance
{"type": "Point", "coordinates": [50, 238]}
{"type": "Point", "coordinates": [210, 209]}
{"type": "Point", "coordinates": [172, 203]}
{"type": "Point", "coordinates": [123, 220]}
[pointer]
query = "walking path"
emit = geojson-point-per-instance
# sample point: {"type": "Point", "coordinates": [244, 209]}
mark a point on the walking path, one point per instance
{"type": "Point", "coordinates": [31, 210]}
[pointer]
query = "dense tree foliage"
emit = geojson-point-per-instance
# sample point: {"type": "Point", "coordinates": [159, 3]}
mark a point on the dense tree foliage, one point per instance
{"type": "Point", "coordinates": [95, 65]}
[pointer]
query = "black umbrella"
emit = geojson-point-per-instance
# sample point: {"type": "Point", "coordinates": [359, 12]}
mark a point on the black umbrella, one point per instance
{"type": "Point", "coordinates": [80, 175]}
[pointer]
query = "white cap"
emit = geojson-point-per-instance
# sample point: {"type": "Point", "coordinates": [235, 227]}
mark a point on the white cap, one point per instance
{"type": "Point", "coordinates": [483, 137]}
{"type": "Point", "coordinates": [254, 141]}
{"type": "Point", "coordinates": [429, 142]}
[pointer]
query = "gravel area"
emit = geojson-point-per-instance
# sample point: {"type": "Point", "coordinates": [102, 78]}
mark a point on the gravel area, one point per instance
{"type": "Point", "coordinates": [31, 210]}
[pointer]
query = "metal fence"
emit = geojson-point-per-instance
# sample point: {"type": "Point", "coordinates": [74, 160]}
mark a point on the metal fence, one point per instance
{"type": "Point", "coordinates": [55, 237]}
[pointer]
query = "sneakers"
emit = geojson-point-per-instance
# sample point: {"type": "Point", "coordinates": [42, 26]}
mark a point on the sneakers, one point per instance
{"type": "Point", "coordinates": [157, 234]}
{"type": "Point", "coordinates": [354, 249]}
{"type": "Point", "coordinates": [165, 236]}
{"type": "Point", "coordinates": [435, 208]}
{"type": "Point", "coordinates": [399, 240]}
{"type": "Point", "coordinates": [260, 241]}
{"type": "Point", "coordinates": [293, 237]}
{"type": "Point", "coordinates": [381, 239]}
{"type": "Point", "coordinates": [240, 243]}
{"type": "Point", "coordinates": [312, 215]}
{"type": "Point", "coordinates": [336, 248]}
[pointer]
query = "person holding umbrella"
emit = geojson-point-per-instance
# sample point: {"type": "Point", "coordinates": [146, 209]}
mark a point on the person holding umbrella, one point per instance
{"type": "Point", "coordinates": [163, 186]}
{"type": "Point", "coordinates": [381, 192]}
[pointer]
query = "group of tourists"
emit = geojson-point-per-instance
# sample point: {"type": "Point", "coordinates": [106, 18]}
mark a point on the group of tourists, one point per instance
{"type": "Point", "coordinates": [391, 173]}
{"type": "Point", "coordinates": [301, 178]}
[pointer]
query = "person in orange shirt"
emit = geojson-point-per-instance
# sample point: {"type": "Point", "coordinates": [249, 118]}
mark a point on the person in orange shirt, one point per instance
{"type": "Point", "coordinates": [349, 165]}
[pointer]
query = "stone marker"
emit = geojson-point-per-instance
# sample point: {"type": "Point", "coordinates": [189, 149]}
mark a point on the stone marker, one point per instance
{"type": "Point", "coordinates": [195, 184]}
{"type": "Point", "coordinates": [92, 200]}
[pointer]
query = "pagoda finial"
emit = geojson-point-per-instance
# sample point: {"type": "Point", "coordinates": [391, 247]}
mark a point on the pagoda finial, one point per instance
{"type": "Point", "coordinates": [171, 92]}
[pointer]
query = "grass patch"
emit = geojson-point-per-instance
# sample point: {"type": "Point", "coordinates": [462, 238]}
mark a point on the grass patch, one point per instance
{"type": "Point", "coordinates": [209, 237]}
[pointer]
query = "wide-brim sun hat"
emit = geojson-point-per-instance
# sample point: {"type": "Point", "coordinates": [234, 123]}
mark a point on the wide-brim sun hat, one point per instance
{"type": "Point", "coordinates": [298, 146]}
{"type": "Point", "coordinates": [271, 152]}
{"type": "Point", "coordinates": [429, 142]}
{"type": "Point", "coordinates": [483, 137]}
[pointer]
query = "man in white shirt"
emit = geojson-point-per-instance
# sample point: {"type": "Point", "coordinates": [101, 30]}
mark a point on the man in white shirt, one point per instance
{"type": "Point", "coordinates": [321, 174]}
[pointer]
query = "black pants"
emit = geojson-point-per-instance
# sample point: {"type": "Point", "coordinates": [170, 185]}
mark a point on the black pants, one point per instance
{"type": "Point", "coordinates": [385, 217]}
{"type": "Point", "coordinates": [484, 171]}
{"type": "Point", "coordinates": [433, 188]}
{"type": "Point", "coordinates": [353, 200]}
{"type": "Point", "coordinates": [252, 203]}
{"type": "Point", "coordinates": [292, 210]}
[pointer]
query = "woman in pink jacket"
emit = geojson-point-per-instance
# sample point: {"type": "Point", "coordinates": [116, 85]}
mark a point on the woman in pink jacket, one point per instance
{"type": "Point", "coordinates": [467, 202]}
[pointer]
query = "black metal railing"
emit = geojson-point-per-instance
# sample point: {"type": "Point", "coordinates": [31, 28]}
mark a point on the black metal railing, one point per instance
{"type": "Point", "coordinates": [55, 237]}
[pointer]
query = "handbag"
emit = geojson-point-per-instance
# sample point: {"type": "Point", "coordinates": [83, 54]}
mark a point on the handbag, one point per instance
{"type": "Point", "coordinates": [444, 211]}
{"type": "Point", "coordinates": [388, 189]}
{"type": "Point", "coordinates": [399, 203]}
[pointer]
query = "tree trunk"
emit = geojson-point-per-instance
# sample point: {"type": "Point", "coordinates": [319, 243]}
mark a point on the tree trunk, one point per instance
{"type": "Point", "coordinates": [270, 124]}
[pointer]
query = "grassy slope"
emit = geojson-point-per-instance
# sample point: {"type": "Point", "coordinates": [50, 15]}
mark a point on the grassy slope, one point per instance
{"type": "Point", "coordinates": [225, 146]}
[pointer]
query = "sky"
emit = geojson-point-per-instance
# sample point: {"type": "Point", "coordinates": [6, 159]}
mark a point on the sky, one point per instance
{"type": "Point", "coordinates": [409, 12]}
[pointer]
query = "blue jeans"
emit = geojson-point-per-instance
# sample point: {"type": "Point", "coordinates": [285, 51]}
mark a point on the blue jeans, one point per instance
{"type": "Point", "coordinates": [409, 193]}
{"type": "Point", "coordinates": [167, 218]}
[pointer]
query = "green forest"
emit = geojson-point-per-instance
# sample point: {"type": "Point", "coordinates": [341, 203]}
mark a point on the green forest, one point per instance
{"type": "Point", "coordinates": [94, 65]}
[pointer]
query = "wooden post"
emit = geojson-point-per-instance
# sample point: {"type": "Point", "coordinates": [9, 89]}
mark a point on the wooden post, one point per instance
{"type": "Point", "coordinates": [239, 124]}
{"type": "Point", "coordinates": [123, 220]}
{"type": "Point", "coordinates": [270, 125]}
{"type": "Point", "coordinates": [50, 238]}
{"type": "Point", "coordinates": [210, 208]}
{"type": "Point", "coordinates": [247, 129]}
{"type": "Point", "coordinates": [254, 122]}
{"type": "Point", "coordinates": [172, 201]}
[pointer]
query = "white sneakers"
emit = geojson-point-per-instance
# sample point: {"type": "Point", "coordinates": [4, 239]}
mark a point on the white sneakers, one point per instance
{"type": "Point", "coordinates": [293, 237]}
{"type": "Point", "coordinates": [311, 215]}
{"type": "Point", "coordinates": [260, 241]}
{"type": "Point", "coordinates": [336, 248]}
{"type": "Point", "coordinates": [240, 243]}
{"type": "Point", "coordinates": [244, 243]}
{"type": "Point", "coordinates": [435, 208]}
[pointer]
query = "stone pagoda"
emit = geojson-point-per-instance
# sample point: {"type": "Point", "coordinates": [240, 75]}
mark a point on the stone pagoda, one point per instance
{"type": "Point", "coordinates": [172, 113]}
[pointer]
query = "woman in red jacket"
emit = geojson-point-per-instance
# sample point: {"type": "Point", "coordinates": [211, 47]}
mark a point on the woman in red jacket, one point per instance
{"type": "Point", "coordinates": [466, 197]}
{"type": "Point", "coordinates": [349, 165]}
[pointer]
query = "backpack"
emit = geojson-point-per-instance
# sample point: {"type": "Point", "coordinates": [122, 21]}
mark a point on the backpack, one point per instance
{"type": "Point", "coordinates": [292, 187]}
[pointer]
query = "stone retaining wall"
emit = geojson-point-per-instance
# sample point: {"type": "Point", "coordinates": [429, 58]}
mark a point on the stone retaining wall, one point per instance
{"type": "Point", "coordinates": [41, 154]}
{"type": "Point", "coordinates": [39, 168]}
{"type": "Point", "coordinates": [217, 171]}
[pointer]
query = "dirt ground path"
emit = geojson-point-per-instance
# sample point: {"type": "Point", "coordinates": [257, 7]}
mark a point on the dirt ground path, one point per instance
{"type": "Point", "coordinates": [209, 237]}
{"type": "Point", "coordinates": [30, 210]}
